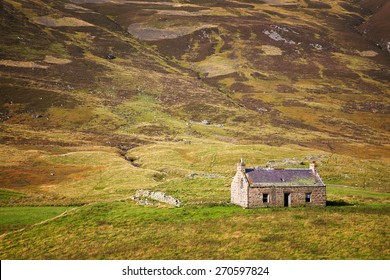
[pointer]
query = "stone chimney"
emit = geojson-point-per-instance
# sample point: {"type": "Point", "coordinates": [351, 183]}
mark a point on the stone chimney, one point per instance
{"type": "Point", "coordinates": [241, 166]}
{"type": "Point", "coordinates": [314, 167]}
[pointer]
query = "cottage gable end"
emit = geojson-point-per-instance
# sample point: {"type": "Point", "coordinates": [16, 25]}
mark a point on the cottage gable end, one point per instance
{"type": "Point", "coordinates": [240, 186]}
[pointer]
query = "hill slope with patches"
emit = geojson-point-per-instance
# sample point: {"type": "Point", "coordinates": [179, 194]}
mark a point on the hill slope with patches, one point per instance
{"type": "Point", "coordinates": [102, 98]}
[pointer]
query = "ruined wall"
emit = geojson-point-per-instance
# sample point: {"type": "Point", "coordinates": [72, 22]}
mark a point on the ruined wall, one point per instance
{"type": "Point", "coordinates": [297, 196]}
{"type": "Point", "coordinates": [239, 190]}
{"type": "Point", "coordinates": [158, 196]}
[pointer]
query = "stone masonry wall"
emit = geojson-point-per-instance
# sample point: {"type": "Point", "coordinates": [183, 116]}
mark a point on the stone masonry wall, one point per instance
{"type": "Point", "coordinates": [239, 190]}
{"type": "Point", "coordinates": [276, 196]}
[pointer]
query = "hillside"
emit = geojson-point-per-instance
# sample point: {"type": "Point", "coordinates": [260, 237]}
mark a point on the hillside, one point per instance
{"type": "Point", "coordinates": [102, 98]}
{"type": "Point", "coordinates": [376, 27]}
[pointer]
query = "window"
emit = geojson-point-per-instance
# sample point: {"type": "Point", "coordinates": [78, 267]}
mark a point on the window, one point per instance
{"type": "Point", "coordinates": [265, 198]}
{"type": "Point", "coordinates": [241, 183]}
{"type": "Point", "coordinates": [308, 197]}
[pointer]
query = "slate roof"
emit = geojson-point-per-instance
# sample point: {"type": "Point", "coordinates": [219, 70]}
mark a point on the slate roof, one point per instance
{"type": "Point", "coordinates": [282, 177]}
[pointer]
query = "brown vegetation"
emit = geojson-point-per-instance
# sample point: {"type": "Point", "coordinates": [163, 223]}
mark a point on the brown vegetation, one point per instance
{"type": "Point", "coordinates": [99, 99]}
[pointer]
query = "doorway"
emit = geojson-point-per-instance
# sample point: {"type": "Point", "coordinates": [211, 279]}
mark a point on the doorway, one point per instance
{"type": "Point", "coordinates": [287, 199]}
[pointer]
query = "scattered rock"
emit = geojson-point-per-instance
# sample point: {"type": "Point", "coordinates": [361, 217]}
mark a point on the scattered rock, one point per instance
{"type": "Point", "coordinates": [110, 56]}
{"type": "Point", "coordinates": [295, 161]}
{"type": "Point", "coordinates": [285, 29]}
{"type": "Point", "coordinates": [142, 195]}
{"type": "Point", "coordinates": [277, 37]}
{"type": "Point", "coordinates": [261, 109]}
{"type": "Point", "coordinates": [318, 47]}
{"type": "Point", "coordinates": [316, 158]}
{"type": "Point", "coordinates": [4, 116]}
{"type": "Point", "coordinates": [207, 176]}
{"type": "Point", "coordinates": [206, 122]}
{"type": "Point", "coordinates": [141, 201]}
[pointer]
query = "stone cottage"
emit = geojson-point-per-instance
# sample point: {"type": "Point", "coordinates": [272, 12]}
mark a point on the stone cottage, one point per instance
{"type": "Point", "coordinates": [265, 187]}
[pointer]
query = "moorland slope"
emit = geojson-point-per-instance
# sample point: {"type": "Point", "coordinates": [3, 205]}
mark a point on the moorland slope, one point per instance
{"type": "Point", "coordinates": [102, 98]}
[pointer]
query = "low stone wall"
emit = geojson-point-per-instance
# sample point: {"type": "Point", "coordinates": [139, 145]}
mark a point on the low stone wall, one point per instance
{"type": "Point", "coordinates": [158, 196]}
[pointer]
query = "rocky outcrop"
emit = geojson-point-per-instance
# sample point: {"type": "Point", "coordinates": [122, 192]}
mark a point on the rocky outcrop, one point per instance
{"type": "Point", "coordinates": [143, 195]}
{"type": "Point", "coordinates": [207, 176]}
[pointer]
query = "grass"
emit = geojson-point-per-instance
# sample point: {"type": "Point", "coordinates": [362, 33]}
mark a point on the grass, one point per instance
{"type": "Point", "coordinates": [14, 218]}
{"type": "Point", "coordinates": [271, 50]}
{"type": "Point", "coordinates": [206, 227]}
{"type": "Point", "coordinates": [216, 65]}
{"type": "Point", "coordinates": [123, 231]}
{"type": "Point", "coordinates": [101, 173]}
{"type": "Point", "coordinates": [357, 62]}
{"type": "Point", "coordinates": [220, 158]}
{"type": "Point", "coordinates": [198, 191]}
{"type": "Point", "coordinates": [107, 176]}
{"type": "Point", "coordinates": [215, 157]}
{"type": "Point", "coordinates": [357, 195]}
{"type": "Point", "coordinates": [6, 195]}
{"type": "Point", "coordinates": [145, 114]}
{"type": "Point", "coordinates": [111, 227]}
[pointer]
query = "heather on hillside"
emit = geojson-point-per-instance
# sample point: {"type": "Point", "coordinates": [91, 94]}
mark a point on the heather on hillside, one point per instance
{"type": "Point", "coordinates": [101, 100]}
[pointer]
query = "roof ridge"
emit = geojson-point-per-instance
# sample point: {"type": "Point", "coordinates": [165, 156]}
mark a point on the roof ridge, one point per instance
{"type": "Point", "coordinates": [273, 168]}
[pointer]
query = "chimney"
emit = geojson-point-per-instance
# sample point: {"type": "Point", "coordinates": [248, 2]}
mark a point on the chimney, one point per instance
{"type": "Point", "coordinates": [241, 166]}
{"type": "Point", "coordinates": [314, 167]}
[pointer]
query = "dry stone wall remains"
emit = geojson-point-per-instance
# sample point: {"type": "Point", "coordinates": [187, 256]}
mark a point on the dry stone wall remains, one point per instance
{"type": "Point", "coordinates": [142, 195]}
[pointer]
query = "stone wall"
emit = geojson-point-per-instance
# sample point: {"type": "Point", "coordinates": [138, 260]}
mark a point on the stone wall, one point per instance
{"type": "Point", "coordinates": [159, 196]}
{"type": "Point", "coordinates": [297, 196]}
{"type": "Point", "coordinates": [239, 190]}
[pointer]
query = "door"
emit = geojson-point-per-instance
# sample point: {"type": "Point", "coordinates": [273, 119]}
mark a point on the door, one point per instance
{"type": "Point", "coordinates": [287, 199]}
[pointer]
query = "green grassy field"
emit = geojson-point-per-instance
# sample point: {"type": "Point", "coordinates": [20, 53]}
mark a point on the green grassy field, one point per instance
{"type": "Point", "coordinates": [14, 218]}
{"type": "Point", "coordinates": [122, 230]}
{"type": "Point", "coordinates": [97, 182]}
{"type": "Point", "coordinates": [207, 226]}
